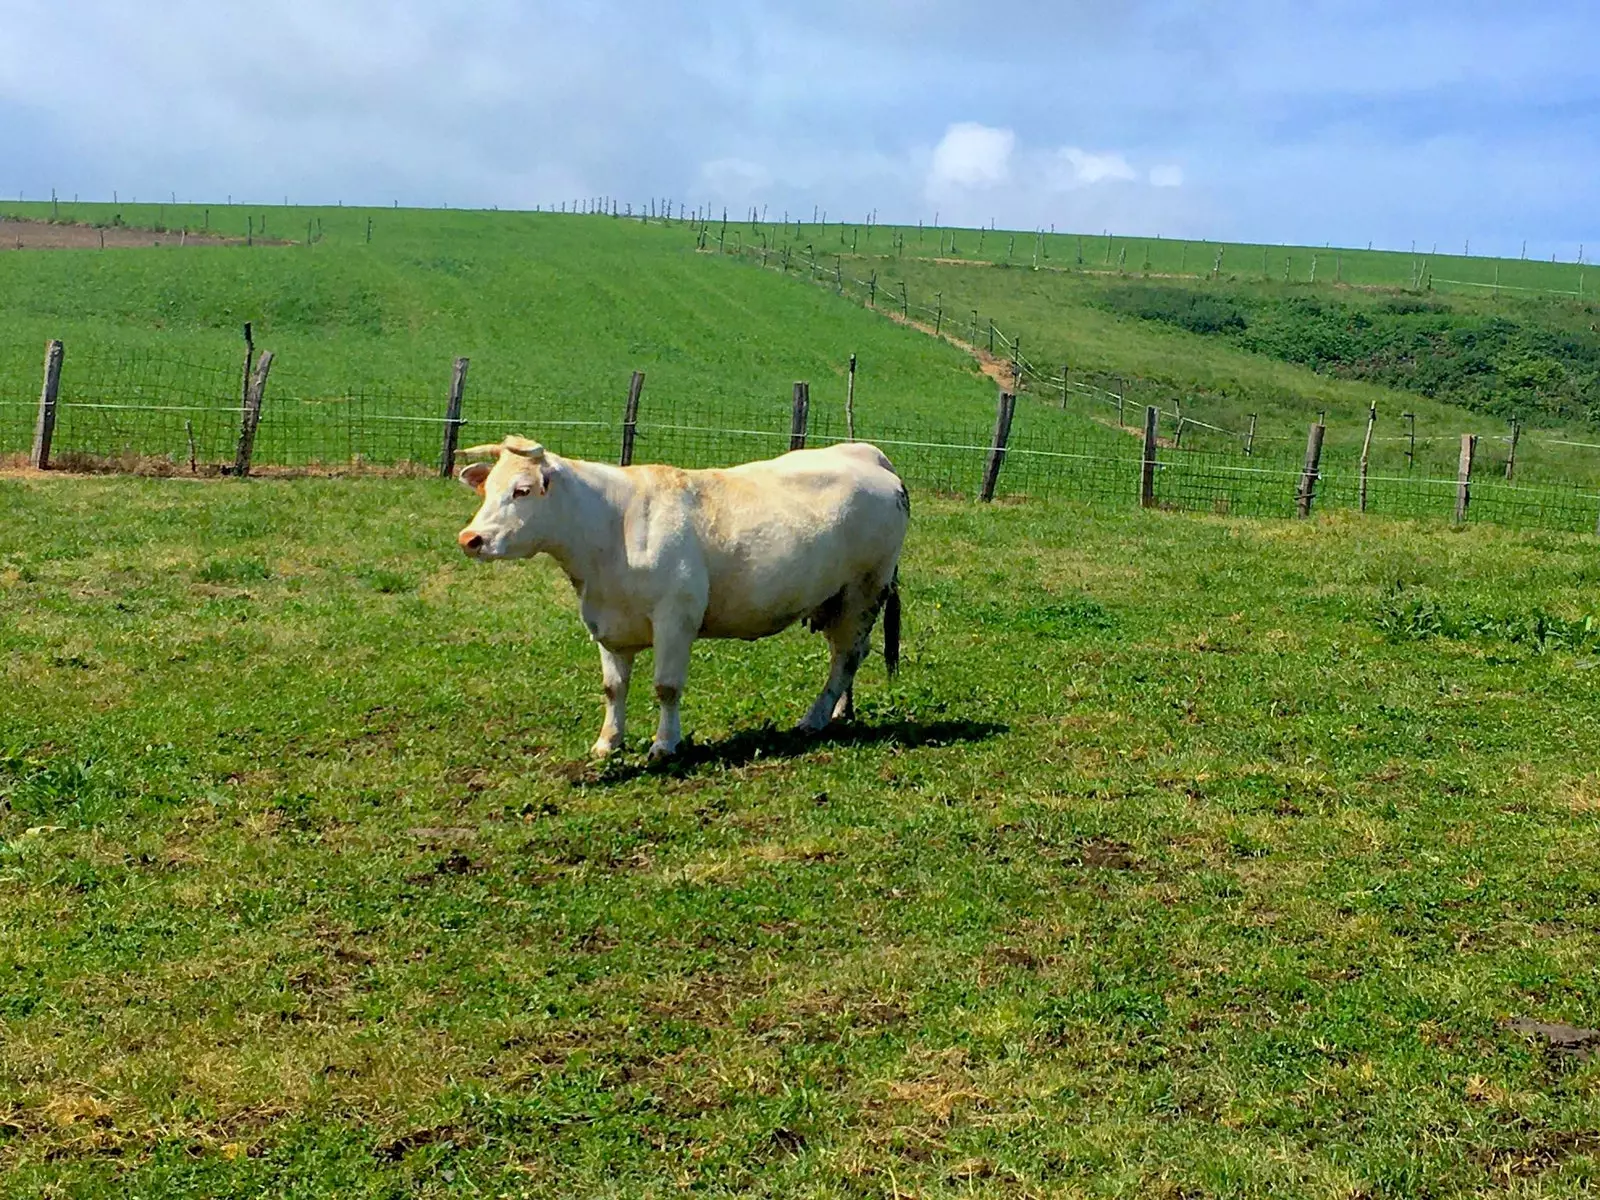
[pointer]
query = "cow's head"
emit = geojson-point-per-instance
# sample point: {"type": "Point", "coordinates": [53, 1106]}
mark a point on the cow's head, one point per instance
{"type": "Point", "coordinates": [508, 522]}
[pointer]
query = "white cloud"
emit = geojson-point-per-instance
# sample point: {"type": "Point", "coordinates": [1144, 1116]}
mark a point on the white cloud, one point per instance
{"type": "Point", "coordinates": [971, 155]}
{"type": "Point", "coordinates": [1088, 169]}
{"type": "Point", "coordinates": [1167, 175]}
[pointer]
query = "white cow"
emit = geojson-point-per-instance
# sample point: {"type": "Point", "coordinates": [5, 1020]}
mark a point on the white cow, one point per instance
{"type": "Point", "coordinates": [660, 556]}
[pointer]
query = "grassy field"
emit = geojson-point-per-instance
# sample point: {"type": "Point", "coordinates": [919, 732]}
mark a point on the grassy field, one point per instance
{"type": "Point", "coordinates": [1169, 257]}
{"type": "Point", "coordinates": [1187, 857]}
{"type": "Point", "coordinates": [554, 312]}
{"type": "Point", "coordinates": [1078, 317]}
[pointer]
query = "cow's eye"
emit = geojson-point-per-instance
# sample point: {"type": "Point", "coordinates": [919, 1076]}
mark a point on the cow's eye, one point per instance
{"type": "Point", "coordinates": [521, 491]}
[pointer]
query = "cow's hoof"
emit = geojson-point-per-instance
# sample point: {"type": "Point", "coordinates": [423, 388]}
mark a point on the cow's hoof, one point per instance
{"type": "Point", "coordinates": [660, 751]}
{"type": "Point", "coordinates": [604, 749]}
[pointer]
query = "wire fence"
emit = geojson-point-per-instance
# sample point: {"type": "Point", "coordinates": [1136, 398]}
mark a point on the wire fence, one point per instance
{"type": "Point", "coordinates": [153, 413]}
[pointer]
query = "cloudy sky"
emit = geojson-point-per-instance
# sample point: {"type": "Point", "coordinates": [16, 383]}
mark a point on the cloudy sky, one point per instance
{"type": "Point", "coordinates": [1307, 121]}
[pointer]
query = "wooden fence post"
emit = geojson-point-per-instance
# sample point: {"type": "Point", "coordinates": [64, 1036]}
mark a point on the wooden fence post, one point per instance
{"type": "Point", "coordinates": [1121, 390]}
{"type": "Point", "coordinates": [1511, 454]}
{"type": "Point", "coordinates": [1250, 438]}
{"type": "Point", "coordinates": [45, 429]}
{"type": "Point", "coordinates": [249, 365]}
{"type": "Point", "coordinates": [251, 417]}
{"type": "Point", "coordinates": [997, 449]}
{"type": "Point", "coordinates": [799, 415]}
{"type": "Point", "coordinates": [630, 418]}
{"type": "Point", "coordinates": [1063, 387]}
{"type": "Point", "coordinates": [1147, 469]}
{"type": "Point", "coordinates": [1366, 451]}
{"type": "Point", "coordinates": [452, 418]}
{"type": "Point", "coordinates": [1469, 446]}
{"type": "Point", "coordinates": [1308, 475]}
{"type": "Point", "coordinates": [850, 402]}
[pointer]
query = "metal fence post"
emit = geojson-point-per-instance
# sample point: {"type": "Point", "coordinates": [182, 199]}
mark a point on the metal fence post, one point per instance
{"type": "Point", "coordinates": [997, 449]}
{"type": "Point", "coordinates": [45, 428]}
{"type": "Point", "coordinates": [452, 418]}
{"type": "Point", "coordinates": [630, 418]}
{"type": "Point", "coordinates": [1147, 466]}
{"type": "Point", "coordinates": [799, 416]}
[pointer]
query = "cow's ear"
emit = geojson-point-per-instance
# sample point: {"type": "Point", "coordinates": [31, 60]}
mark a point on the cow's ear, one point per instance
{"type": "Point", "coordinates": [546, 474]}
{"type": "Point", "coordinates": [473, 475]}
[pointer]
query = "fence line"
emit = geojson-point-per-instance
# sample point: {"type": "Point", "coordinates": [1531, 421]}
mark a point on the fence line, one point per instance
{"type": "Point", "coordinates": [106, 416]}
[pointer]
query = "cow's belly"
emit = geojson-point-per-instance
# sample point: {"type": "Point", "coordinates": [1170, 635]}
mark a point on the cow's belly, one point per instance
{"type": "Point", "coordinates": [617, 628]}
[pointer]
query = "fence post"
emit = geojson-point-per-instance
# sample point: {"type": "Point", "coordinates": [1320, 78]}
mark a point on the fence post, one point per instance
{"type": "Point", "coordinates": [799, 415]}
{"type": "Point", "coordinates": [997, 449]}
{"type": "Point", "coordinates": [850, 402]}
{"type": "Point", "coordinates": [872, 291]}
{"type": "Point", "coordinates": [905, 302]}
{"type": "Point", "coordinates": [630, 418]}
{"type": "Point", "coordinates": [1469, 445]}
{"type": "Point", "coordinates": [1511, 454]}
{"type": "Point", "coordinates": [249, 365]}
{"type": "Point", "coordinates": [1121, 390]}
{"type": "Point", "coordinates": [1308, 476]}
{"type": "Point", "coordinates": [1147, 466]}
{"type": "Point", "coordinates": [1366, 451]}
{"type": "Point", "coordinates": [252, 414]}
{"type": "Point", "coordinates": [45, 429]}
{"type": "Point", "coordinates": [1063, 387]}
{"type": "Point", "coordinates": [1250, 438]}
{"type": "Point", "coordinates": [452, 418]}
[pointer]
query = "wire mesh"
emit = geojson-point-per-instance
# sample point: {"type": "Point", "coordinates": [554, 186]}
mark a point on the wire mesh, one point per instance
{"type": "Point", "coordinates": [137, 407]}
{"type": "Point", "coordinates": [144, 410]}
{"type": "Point", "coordinates": [19, 398]}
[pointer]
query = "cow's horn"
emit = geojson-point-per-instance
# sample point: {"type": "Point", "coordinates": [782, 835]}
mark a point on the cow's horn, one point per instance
{"type": "Point", "coordinates": [480, 451]}
{"type": "Point", "coordinates": [522, 446]}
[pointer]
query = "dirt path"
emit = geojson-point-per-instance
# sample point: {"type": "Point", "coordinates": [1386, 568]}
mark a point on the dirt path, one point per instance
{"type": "Point", "coordinates": [48, 235]}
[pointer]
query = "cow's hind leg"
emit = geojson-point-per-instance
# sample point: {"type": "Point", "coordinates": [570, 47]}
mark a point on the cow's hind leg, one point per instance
{"type": "Point", "coordinates": [617, 669]}
{"type": "Point", "coordinates": [849, 636]}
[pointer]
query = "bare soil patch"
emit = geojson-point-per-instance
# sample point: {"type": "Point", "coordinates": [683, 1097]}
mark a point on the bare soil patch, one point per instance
{"type": "Point", "coordinates": [53, 235]}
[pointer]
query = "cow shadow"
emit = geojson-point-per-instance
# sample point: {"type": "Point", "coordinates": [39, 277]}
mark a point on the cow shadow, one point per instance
{"type": "Point", "coordinates": [768, 743]}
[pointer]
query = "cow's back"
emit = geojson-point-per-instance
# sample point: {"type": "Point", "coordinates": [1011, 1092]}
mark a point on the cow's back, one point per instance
{"type": "Point", "coordinates": [780, 537]}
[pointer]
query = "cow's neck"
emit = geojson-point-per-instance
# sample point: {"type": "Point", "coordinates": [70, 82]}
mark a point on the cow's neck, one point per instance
{"type": "Point", "coordinates": [585, 505]}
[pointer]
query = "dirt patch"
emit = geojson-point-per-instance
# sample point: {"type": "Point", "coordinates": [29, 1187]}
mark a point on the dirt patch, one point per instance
{"type": "Point", "coordinates": [74, 465]}
{"type": "Point", "coordinates": [16, 234]}
{"type": "Point", "coordinates": [1581, 1044]}
{"type": "Point", "coordinates": [997, 369]}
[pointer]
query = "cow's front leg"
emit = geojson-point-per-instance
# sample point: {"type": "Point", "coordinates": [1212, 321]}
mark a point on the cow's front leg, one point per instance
{"type": "Point", "coordinates": [617, 668]}
{"type": "Point", "coordinates": [672, 671]}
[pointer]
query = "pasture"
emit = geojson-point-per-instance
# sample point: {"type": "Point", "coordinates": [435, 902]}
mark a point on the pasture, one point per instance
{"type": "Point", "coordinates": [1188, 856]}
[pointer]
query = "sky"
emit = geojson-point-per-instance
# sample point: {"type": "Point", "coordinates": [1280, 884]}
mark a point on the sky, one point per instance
{"type": "Point", "coordinates": [1442, 123]}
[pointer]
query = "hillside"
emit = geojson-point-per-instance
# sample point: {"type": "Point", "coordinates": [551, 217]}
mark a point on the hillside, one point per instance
{"type": "Point", "coordinates": [556, 311]}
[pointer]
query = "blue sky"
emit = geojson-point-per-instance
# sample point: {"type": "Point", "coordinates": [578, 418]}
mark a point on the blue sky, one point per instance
{"type": "Point", "coordinates": [1300, 121]}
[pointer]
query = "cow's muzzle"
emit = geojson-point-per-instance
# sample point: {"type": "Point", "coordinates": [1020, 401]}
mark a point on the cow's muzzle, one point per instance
{"type": "Point", "coordinates": [471, 542]}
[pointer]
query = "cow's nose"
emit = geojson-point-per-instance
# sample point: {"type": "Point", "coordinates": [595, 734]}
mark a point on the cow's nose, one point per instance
{"type": "Point", "coordinates": [470, 542]}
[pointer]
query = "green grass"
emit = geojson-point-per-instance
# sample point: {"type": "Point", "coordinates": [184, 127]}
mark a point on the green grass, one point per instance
{"type": "Point", "coordinates": [1073, 317]}
{"type": "Point", "coordinates": [1188, 856]}
{"type": "Point", "coordinates": [554, 312]}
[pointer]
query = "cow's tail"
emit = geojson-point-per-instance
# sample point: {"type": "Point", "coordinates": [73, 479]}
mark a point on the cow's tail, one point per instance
{"type": "Point", "coordinates": [891, 625]}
